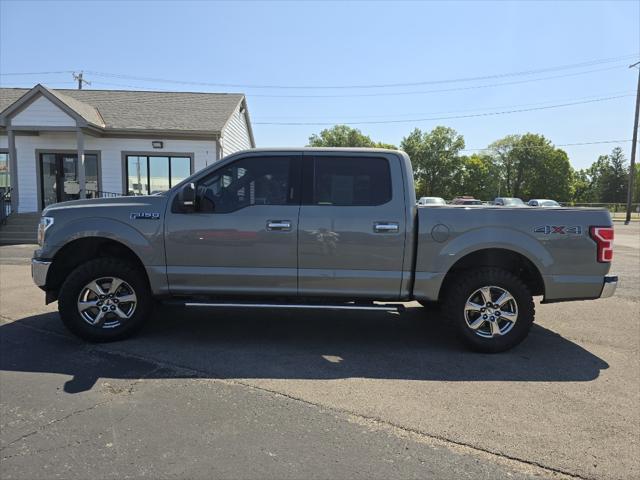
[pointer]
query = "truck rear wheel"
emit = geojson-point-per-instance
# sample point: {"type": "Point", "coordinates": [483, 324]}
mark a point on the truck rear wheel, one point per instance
{"type": "Point", "coordinates": [491, 309]}
{"type": "Point", "coordinates": [105, 299]}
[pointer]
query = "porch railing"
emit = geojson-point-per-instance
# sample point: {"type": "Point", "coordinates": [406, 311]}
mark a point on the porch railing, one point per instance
{"type": "Point", "coordinates": [102, 194]}
{"type": "Point", "coordinates": [5, 204]}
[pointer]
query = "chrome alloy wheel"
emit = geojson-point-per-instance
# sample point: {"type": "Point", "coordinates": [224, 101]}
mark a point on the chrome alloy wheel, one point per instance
{"type": "Point", "coordinates": [106, 302]}
{"type": "Point", "coordinates": [491, 311]}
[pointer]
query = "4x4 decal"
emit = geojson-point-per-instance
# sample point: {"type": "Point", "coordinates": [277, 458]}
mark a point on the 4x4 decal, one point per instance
{"type": "Point", "coordinates": [558, 229]}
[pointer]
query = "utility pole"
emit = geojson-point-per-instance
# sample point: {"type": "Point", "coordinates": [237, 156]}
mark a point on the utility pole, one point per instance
{"type": "Point", "coordinates": [80, 80]}
{"type": "Point", "coordinates": [632, 166]}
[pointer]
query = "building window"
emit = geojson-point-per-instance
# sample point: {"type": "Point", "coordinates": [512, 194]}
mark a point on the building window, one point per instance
{"type": "Point", "coordinates": [149, 174]}
{"type": "Point", "coordinates": [4, 171]}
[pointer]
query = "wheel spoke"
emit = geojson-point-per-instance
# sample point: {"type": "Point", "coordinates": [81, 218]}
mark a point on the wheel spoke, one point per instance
{"type": "Point", "coordinates": [486, 294]}
{"type": "Point", "coordinates": [512, 317]}
{"type": "Point", "coordinates": [115, 284]}
{"type": "Point", "coordinates": [472, 307]}
{"type": "Point", "coordinates": [127, 298]}
{"type": "Point", "coordinates": [119, 312]}
{"type": "Point", "coordinates": [95, 288]}
{"type": "Point", "coordinates": [495, 329]}
{"type": "Point", "coordinates": [87, 304]}
{"type": "Point", "coordinates": [477, 323]}
{"type": "Point", "coordinates": [100, 318]}
{"type": "Point", "coordinates": [504, 298]}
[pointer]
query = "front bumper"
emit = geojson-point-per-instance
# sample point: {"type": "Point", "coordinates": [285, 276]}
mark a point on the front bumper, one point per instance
{"type": "Point", "coordinates": [39, 270]}
{"type": "Point", "coordinates": [609, 287]}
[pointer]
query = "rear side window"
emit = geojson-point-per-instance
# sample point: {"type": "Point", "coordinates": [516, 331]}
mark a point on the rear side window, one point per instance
{"type": "Point", "coordinates": [355, 181]}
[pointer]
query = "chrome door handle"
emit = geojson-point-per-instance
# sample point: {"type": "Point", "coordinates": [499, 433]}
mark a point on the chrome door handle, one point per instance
{"type": "Point", "coordinates": [386, 227]}
{"type": "Point", "coordinates": [279, 225]}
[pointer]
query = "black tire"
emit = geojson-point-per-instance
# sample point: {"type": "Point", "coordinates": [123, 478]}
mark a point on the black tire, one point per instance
{"type": "Point", "coordinates": [100, 268]}
{"type": "Point", "coordinates": [464, 285]}
{"type": "Point", "coordinates": [431, 307]}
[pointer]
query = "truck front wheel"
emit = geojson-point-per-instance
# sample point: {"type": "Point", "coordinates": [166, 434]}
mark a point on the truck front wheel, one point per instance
{"type": "Point", "coordinates": [491, 309]}
{"type": "Point", "coordinates": [105, 299]}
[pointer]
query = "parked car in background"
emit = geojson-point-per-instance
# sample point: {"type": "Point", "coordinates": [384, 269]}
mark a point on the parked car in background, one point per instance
{"type": "Point", "coordinates": [509, 202]}
{"type": "Point", "coordinates": [466, 200]}
{"type": "Point", "coordinates": [543, 202]}
{"type": "Point", "coordinates": [431, 201]}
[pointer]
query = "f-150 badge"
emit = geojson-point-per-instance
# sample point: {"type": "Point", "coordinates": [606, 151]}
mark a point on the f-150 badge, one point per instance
{"type": "Point", "coordinates": [144, 216]}
{"type": "Point", "coordinates": [558, 229]}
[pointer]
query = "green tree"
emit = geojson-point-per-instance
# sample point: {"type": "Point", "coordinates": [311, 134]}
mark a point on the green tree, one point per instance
{"type": "Point", "coordinates": [436, 160]}
{"type": "Point", "coordinates": [581, 187]}
{"type": "Point", "coordinates": [480, 177]}
{"type": "Point", "coordinates": [615, 181]}
{"type": "Point", "coordinates": [530, 166]}
{"type": "Point", "coordinates": [606, 180]}
{"type": "Point", "coordinates": [502, 151]}
{"type": "Point", "coordinates": [344, 136]}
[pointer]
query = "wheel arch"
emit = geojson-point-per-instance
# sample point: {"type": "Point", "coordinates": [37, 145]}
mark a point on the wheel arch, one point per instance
{"type": "Point", "coordinates": [509, 260]}
{"type": "Point", "coordinates": [82, 250]}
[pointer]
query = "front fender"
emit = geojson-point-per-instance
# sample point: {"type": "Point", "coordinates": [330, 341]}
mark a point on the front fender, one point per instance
{"type": "Point", "coordinates": [147, 242]}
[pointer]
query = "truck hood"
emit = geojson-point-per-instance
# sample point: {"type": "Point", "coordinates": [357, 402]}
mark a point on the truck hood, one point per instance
{"type": "Point", "coordinates": [134, 203]}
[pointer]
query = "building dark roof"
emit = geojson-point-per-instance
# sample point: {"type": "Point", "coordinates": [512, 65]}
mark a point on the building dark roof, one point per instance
{"type": "Point", "coordinates": [140, 110]}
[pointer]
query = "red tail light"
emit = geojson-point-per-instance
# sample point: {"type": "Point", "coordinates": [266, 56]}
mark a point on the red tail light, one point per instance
{"type": "Point", "coordinates": [603, 237]}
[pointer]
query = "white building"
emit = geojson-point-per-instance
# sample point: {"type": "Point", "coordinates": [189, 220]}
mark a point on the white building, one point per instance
{"type": "Point", "coordinates": [131, 142]}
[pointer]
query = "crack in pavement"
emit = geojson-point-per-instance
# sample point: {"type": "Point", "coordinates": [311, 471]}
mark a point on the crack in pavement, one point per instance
{"type": "Point", "coordinates": [461, 447]}
{"type": "Point", "coordinates": [53, 422]}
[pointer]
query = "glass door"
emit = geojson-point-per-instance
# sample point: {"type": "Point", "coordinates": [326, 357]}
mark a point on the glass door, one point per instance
{"type": "Point", "coordinates": [59, 179]}
{"type": "Point", "coordinates": [70, 181]}
{"type": "Point", "coordinates": [49, 179]}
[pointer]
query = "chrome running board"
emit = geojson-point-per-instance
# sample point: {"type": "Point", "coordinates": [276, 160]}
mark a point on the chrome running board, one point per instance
{"type": "Point", "coordinates": [389, 307]}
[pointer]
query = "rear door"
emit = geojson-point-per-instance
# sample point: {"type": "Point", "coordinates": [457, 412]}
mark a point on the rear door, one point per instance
{"type": "Point", "coordinates": [242, 240]}
{"type": "Point", "coordinates": [352, 226]}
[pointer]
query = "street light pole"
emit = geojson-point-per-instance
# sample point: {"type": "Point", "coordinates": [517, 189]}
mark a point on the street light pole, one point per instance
{"type": "Point", "coordinates": [632, 166]}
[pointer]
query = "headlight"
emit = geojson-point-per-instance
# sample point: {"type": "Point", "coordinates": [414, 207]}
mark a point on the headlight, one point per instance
{"type": "Point", "coordinates": [43, 226]}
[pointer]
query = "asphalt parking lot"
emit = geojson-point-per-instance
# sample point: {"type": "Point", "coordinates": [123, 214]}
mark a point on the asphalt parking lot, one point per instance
{"type": "Point", "coordinates": [238, 394]}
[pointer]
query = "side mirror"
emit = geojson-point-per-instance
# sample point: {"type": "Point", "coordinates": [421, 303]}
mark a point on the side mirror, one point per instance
{"type": "Point", "coordinates": [187, 196]}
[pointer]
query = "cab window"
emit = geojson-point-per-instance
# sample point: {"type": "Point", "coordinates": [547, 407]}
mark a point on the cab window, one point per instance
{"type": "Point", "coordinates": [247, 182]}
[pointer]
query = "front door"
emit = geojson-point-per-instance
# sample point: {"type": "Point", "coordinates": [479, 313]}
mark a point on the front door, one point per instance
{"type": "Point", "coordinates": [59, 179]}
{"type": "Point", "coordinates": [242, 238]}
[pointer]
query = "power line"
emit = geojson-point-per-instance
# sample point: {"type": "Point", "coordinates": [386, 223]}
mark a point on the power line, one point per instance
{"type": "Point", "coordinates": [423, 92]}
{"type": "Point", "coordinates": [452, 117]}
{"type": "Point", "coordinates": [357, 117]}
{"type": "Point", "coordinates": [369, 86]}
{"type": "Point", "coordinates": [441, 90]}
{"type": "Point", "coordinates": [33, 73]}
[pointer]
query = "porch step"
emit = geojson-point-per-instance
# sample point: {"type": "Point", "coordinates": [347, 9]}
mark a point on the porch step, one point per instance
{"type": "Point", "coordinates": [21, 228]}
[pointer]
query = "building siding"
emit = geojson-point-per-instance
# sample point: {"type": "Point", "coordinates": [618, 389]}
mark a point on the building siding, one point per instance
{"type": "Point", "coordinates": [235, 135]}
{"type": "Point", "coordinates": [42, 113]}
{"type": "Point", "coordinates": [111, 174]}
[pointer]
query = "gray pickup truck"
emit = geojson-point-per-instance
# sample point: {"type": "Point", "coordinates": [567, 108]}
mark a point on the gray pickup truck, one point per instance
{"type": "Point", "coordinates": [316, 228]}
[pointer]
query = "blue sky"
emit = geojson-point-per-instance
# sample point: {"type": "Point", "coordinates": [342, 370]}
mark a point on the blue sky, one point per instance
{"type": "Point", "coordinates": [313, 44]}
